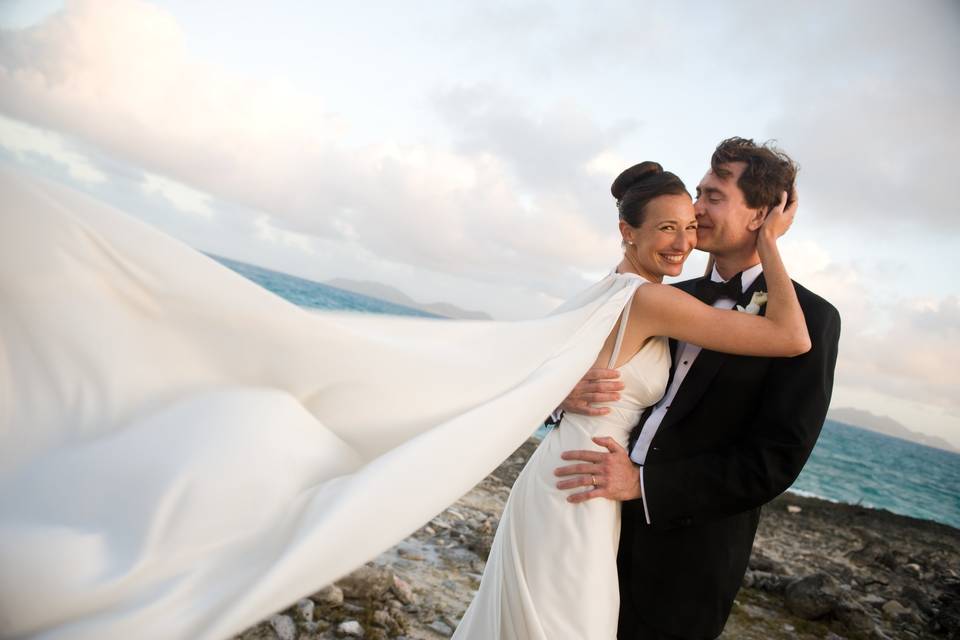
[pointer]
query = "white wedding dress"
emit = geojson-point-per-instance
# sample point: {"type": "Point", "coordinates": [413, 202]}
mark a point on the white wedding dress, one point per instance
{"type": "Point", "coordinates": [552, 569]}
{"type": "Point", "coordinates": [183, 453]}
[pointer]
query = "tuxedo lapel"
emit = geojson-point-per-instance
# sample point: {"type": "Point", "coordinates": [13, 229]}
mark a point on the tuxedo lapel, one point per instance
{"type": "Point", "coordinates": [704, 369]}
{"type": "Point", "coordinates": [688, 286]}
{"type": "Point", "coordinates": [694, 384]}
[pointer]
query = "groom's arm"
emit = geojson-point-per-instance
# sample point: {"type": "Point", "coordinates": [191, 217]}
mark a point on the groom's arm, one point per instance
{"type": "Point", "coordinates": [762, 465]}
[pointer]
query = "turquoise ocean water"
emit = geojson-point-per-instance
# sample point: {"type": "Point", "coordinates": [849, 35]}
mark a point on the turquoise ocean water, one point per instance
{"type": "Point", "coordinates": [849, 464]}
{"type": "Point", "coordinates": [314, 295]}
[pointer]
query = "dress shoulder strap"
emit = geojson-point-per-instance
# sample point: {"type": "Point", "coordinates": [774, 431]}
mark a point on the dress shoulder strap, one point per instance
{"type": "Point", "coordinates": [623, 327]}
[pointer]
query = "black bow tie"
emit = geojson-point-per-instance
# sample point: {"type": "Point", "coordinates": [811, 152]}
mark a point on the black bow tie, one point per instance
{"type": "Point", "coordinates": [709, 291]}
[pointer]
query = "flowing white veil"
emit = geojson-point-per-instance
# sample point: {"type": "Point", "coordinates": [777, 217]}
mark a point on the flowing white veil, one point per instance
{"type": "Point", "coordinates": [183, 453]}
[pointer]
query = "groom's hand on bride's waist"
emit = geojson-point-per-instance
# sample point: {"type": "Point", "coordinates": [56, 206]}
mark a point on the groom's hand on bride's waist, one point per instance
{"type": "Point", "coordinates": [604, 474]}
{"type": "Point", "coordinates": [596, 385]}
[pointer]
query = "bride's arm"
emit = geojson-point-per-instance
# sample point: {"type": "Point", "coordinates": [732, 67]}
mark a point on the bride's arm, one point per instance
{"type": "Point", "coordinates": [666, 311]}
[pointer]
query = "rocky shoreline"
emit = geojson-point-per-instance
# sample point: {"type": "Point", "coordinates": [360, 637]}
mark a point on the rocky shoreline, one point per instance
{"type": "Point", "coordinates": [818, 570]}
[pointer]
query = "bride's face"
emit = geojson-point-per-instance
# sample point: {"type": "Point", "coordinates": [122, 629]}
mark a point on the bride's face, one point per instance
{"type": "Point", "coordinates": [666, 237]}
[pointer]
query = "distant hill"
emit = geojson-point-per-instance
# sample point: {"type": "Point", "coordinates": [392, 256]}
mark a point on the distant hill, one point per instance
{"type": "Point", "coordinates": [391, 294]}
{"type": "Point", "coordinates": [887, 426]}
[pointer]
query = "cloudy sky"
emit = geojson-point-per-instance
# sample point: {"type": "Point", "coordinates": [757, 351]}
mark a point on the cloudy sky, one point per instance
{"type": "Point", "coordinates": [464, 151]}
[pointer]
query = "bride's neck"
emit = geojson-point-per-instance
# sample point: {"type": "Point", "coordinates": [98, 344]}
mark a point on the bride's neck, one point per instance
{"type": "Point", "coordinates": [630, 264]}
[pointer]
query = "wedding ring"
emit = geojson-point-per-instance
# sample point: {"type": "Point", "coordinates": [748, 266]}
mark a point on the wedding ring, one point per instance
{"type": "Point", "coordinates": [593, 480]}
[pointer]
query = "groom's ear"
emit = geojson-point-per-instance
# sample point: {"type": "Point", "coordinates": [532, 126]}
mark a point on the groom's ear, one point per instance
{"type": "Point", "coordinates": [756, 219]}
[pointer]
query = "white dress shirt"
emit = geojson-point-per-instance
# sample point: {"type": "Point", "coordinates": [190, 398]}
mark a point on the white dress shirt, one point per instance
{"type": "Point", "coordinates": [686, 355]}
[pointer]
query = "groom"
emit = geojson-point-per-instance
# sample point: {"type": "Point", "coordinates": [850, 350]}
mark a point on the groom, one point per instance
{"type": "Point", "coordinates": [730, 434]}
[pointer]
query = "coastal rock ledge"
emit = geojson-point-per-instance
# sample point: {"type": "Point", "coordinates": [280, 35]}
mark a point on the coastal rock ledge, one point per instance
{"type": "Point", "coordinates": [818, 570]}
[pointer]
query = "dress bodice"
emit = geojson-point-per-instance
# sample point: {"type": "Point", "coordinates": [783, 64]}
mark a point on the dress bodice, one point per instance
{"type": "Point", "coordinates": [644, 376]}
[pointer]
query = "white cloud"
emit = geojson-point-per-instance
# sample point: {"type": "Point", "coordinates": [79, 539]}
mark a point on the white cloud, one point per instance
{"type": "Point", "coordinates": [179, 195]}
{"type": "Point", "coordinates": [914, 359]}
{"type": "Point", "coordinates": [269, 233]}
{"type": "Point", "coordinates": [871, 114]}
{"type": "Point", "coordinates": [545, 151]}
{"type": "Point", "coordinates": [117, 73]}
{"type": "Point", "coordinates": [606, 164]}
{"type": "Point", "coordinates": [23, 140]}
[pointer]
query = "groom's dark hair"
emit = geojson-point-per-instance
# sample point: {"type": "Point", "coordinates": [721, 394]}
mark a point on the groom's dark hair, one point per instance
{"type": "Point", "coordinates": [769, 171]}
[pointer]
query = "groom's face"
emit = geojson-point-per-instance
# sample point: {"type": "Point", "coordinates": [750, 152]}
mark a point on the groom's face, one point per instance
{"type": "Point", "coordinates": [723, 217]}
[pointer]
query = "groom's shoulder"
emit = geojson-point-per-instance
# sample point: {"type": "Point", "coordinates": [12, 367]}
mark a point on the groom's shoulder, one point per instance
{"type": "Point", "coordinates": [815, 306]}
{"type": "Point", "coordinates": [809, 299]}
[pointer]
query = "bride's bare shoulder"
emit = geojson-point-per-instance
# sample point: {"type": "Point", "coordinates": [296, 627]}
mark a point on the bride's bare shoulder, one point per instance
{"type": "Point", "coordinates": [653, 293]}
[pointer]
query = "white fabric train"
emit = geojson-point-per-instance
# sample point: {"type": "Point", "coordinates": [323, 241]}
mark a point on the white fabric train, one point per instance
{"type": "Point", "coordinates": [183, 453]}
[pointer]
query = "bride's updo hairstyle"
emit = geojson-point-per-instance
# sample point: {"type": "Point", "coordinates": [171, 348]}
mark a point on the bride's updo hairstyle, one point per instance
{"type": "Point", "coordinates": [638, 185]}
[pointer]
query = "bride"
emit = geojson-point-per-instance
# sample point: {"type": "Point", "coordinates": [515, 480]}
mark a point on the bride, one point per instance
{"type": "Point", "coordinates": [552, 572]}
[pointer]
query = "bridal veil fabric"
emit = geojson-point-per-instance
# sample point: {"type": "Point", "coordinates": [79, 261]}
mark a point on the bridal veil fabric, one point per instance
{"type": "Point", "coordinates": [183, 453]}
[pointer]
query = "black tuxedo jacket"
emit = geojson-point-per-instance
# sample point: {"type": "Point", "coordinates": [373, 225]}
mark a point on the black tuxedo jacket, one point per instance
{"type": "Point", "coordinates": [736, 435]}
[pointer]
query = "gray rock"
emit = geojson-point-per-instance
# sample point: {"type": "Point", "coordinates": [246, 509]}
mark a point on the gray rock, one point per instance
{"type": "Point", "coordinates": [812, 597]}
{"type": "Point", "coordinates": [262, 631]}
{"type": "Point", "coordinates": [895, 611]}
{"type": "Point", "coordinates": [759, 561]}
{"type": "Point", "coordinates": [367, 583]}
{"type": "Point", "coordinates": [284, 627]}
{"type": "Point", "coordinates": [350, 629]}
{"type": "Point", "coordinates": [910, 593]}
{"type": "Point", "coordinates": [403, 591]}
{"type": "Point", "coordinates": [305, 608]}
{"type": "Point", "coordinates": [330, 595]}
{"type": "Point", "coordinates": [401, 617]}
{"type": "Point", "coordinates": [873, 600]}
{"type": "Point", "coordinates": [387, 621]}
{"type": "Point", "coordinates": [441, 627]}
{"type": "Point", "coordinates": [754, 612]}
{"type": "Point", "coordinates": [765, 581]}
{"type": "Point", "coordinates": [410, 555]}
{"type": "Point", "coordinates": [855, 617]}
{"type": "Point", "coordinates": [382, 618]}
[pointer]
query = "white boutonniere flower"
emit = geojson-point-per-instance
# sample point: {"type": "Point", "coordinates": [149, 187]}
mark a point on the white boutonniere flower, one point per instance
{"type": "Point", "coordinates": [758, 299]}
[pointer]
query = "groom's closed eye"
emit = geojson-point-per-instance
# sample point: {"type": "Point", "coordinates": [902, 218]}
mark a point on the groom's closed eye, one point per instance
{"type": "Point", "coordinates": [713, 195]}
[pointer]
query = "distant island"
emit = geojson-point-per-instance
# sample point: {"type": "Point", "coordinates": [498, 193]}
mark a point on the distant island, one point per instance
{"type": "Point", "coordinates": [887, 426]}
{"type": "Point", "coordinates": [394, 295]}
